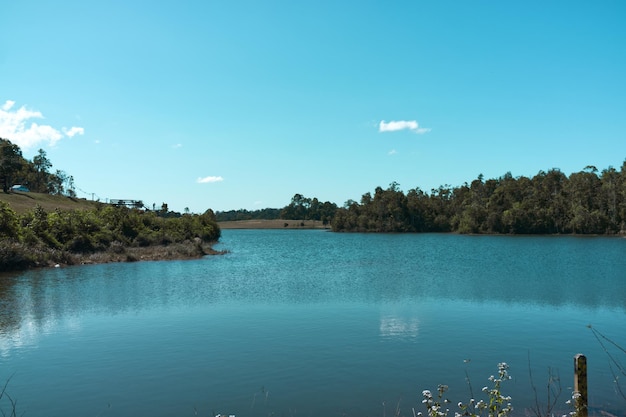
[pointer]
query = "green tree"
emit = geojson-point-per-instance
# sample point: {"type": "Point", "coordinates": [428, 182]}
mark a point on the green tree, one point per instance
{"type": "Point", "coordinates": [550, 208]}
{"type": "Point", "coordinates": [10, 162]}
{"type": "Point", "coordinates": [611, 182]}
{"type": "Point", "coordinates": [9, 226]}
{"type": "Point", "coordinates": [587, 214]}
{"type": "Point", "coordinates": [621, 198]}
{"type": "Point", "coordinates": [417, 206]}
{"type": "Point", "coordinates": [56, 182]}
{"type": "Point", "coordinates": [41, 165]}
{"type": "Point", "coordinates": [298, 208]}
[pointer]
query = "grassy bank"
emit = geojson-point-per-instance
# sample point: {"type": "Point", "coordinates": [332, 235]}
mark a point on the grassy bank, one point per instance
{"type": "Point", "coordinates": [24, 202]}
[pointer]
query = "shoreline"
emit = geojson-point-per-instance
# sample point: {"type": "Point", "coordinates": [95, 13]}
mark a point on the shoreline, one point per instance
{"type": "Point", "coordinates": [273, 224]}
{"type": "Point", "coordinates": [119, 254]}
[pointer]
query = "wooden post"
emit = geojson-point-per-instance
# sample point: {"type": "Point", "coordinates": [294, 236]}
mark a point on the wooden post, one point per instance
{"type": "Point", "coordinates": [580, 385]}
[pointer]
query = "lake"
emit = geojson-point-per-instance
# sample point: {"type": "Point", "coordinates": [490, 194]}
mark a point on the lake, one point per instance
{"type": "Point", "coordinates": [311, 323]}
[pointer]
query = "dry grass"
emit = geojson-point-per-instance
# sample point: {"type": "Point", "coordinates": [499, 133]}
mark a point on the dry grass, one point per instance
{"type": "Point", "coordinates": [23, 202]}
{"type": "Point", "coordinates": [273, 224]}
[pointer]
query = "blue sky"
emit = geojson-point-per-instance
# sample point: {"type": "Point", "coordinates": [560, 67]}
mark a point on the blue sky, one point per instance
{"type": "Point", "coordinates": [242, 104]}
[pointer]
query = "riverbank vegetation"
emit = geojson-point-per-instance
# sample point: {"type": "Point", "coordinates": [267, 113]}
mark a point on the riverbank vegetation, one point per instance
{"type": "Point", "coordinates": [44, 224]}
{"type": "Point", "coordinates": [103, 234]}
{"type": "Point", "coordinates": [548, 203]}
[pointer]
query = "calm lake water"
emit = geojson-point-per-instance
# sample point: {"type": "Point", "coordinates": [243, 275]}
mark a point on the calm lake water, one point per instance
{"type": "Point", "coordinates": [311, 323]}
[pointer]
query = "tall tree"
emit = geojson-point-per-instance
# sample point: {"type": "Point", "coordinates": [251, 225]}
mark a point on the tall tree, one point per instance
{"type": "Point", "coordinates": [611, 182]}
{"type": "Point", "coordinates": [42, 166]}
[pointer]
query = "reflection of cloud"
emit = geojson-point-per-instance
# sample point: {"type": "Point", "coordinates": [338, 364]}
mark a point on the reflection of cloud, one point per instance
{"type": "Point", "coordinates": [27, 334]}
{"type": "Point", "coordinates": [398, 327]}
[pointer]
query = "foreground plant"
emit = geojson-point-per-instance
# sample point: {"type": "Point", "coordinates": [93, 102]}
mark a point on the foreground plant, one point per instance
{"type": "Point", "coordinates": [11, 411]}
{"type": "Point", "coordinates": [495, 405]}
{"type": "Point", "coordinates": [618, 370]}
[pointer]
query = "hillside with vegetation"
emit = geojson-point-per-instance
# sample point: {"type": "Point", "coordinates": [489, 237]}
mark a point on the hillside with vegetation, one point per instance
{"type": "Point", "coordinates": [35, 174]}
{"type": "Point", "coordinates": [586, 202]}
{"type": "Point", "coordinates": [50, 226]}
{"type": "Point", "coordinates": [22, 202]}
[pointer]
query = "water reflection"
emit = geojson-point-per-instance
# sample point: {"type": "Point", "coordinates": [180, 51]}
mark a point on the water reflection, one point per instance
{"type": "Point", "coordinates": [307, 314]}
{"type": "Point", "coordinates": [398, 327]}
{"type": "Point", "coordinates": [30, 332]}
{"type": "Point", "coordinates": [298, 267]}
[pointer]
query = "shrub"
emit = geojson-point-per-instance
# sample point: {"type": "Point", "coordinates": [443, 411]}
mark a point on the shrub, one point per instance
{"type": "Point", "coordinates": [80, 244]}
{"type": "Point", "coordinates": [13, 255]}
{"type": "Point", "coordinates": [9, 225]}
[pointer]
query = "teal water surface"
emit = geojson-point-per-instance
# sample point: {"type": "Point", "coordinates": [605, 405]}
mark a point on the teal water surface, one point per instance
{"type": "Point", "coordinates": [314, 323]}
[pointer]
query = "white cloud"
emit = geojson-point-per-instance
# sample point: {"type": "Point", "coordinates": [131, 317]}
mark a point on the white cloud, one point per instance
{"type": "Point", "coordinates": [7, 106]}
{"type": "Point", "coordinates": [209, 179]}
{"type": "Point", "coordinates": [392, 152]}
{"type": "Point", "coordinates": [177, 146]}
{"type": "Point", "coordinates": [396, 125]}
{"type": "Point", "coordinates": [73, 131]}
{"type": "Point", "coordinates": [14, 127]}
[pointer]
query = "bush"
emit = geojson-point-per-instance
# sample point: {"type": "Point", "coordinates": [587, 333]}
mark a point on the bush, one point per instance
{"type": "Point", "coordinates": [80, 244]}
{"type": "Point", "coordinates": [13, 256]}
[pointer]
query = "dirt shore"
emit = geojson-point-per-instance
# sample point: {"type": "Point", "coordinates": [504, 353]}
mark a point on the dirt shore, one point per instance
{"type": "Point", "coordinates": [54, 258]}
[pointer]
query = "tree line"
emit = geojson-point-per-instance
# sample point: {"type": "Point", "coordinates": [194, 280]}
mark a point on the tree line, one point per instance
{"type": "Point", "coordinates": [243, 214]}
{"type": "Point", "coordinates": [300, 208]}
{"type": "Point", "coordinates": [304, 208]}
{"type": "Point", "coordinates": [586, 202]}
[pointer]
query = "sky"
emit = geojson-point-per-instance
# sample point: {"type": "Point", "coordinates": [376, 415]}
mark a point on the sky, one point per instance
{"type": "Point", "coordinates": [241, 104]}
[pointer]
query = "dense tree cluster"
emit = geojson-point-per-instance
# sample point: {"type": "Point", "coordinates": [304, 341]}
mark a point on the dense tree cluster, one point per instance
{"type": "Point", "coordinates": [548, 203]}
{"type": "Point", "coordinates": [300, 208]}
{"type": "Point", "coordinates": [40, 238]}
{"type": "Point", "coordinates": [303, 208]}
{"type": "Point", "coordinates": [35, 174]}
{"type": "Point", "coordinates": [243, 214]}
